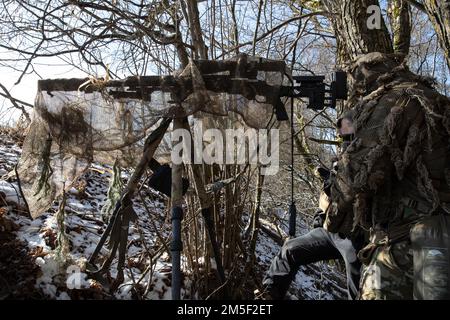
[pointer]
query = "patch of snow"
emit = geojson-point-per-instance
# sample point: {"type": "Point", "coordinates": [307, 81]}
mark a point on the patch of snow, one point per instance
{"type": "Point", "coordinates": [78, 206]}
{"type": "Point", "coordinates": [11, 193]}
{"type": "Point", "coordinates": [47, 288]}
{"type": "Point", "coordinates": [63, 296]}
{"type": "Point", "coordinates": [84, 227]}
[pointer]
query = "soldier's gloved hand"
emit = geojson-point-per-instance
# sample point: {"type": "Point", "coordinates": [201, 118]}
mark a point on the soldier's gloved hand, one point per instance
{"type": "Point", "coordinates": [319, 219]}
{"type": "Point", "coordinates": [325, 175]}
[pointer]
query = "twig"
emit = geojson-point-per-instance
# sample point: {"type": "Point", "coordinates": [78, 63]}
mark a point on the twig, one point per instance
{"type": "Point", "coordinates": [15, 102]}
{"type": "Point", "coordinates": [224, 284]}
{"type": "Point", "coordinates": [265, 34]}
{"type": "Point", "coordinates": [417, 5]}
{"type": "Point", "coordinates": [322, 141]}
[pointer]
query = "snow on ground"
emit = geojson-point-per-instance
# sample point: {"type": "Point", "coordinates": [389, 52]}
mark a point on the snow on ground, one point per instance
{"type": "Point", "coordinates": [84, 227]}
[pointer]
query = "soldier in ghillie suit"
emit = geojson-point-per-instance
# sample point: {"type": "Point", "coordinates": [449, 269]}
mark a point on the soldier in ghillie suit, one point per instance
{"type": "Point", "coordinates": [394, 181]}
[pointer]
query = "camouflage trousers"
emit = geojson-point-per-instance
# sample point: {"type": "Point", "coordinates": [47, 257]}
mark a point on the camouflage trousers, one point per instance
{"type": "Point", "coordinates": [389, 274]}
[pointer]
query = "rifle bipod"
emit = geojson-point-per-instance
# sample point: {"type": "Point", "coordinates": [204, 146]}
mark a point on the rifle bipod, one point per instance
{"type": "Point", "coordinates": [117, 229]}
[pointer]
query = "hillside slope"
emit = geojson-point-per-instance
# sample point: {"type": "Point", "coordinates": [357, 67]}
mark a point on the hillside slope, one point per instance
{"type": "Point", "coordinates": [30, 267]}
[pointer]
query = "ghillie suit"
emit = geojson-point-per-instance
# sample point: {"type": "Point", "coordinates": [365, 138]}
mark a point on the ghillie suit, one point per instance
{"type": "Point", "coordinates": [394, 174]}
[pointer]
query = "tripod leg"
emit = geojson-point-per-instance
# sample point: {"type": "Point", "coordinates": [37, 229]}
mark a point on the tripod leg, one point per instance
{"type": "Point", "coordinates": [176, 248]}
{"type": "Point", "coordinates": [177, 216]}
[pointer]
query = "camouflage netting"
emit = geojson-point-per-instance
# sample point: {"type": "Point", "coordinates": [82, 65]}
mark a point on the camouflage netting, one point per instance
{"type": "Point", "coordinates": [74, 125]}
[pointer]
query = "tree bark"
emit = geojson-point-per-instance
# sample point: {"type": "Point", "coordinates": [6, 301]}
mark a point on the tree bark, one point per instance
{"type": "Point", "coordinates": [439, 13]}
{"type": "Point", "coordinates": [400, 20]}
{"type": "Point", "coordinates": [196, 30]}
{"type": "Point", "coordinates": [353, 35]}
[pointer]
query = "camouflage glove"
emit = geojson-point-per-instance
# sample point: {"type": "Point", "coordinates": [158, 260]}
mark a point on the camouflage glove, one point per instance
{"type": "Point", "coordinates": [324, 175]}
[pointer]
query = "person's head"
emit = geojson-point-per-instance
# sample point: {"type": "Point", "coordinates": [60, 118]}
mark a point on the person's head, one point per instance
{"type": "Point", "coordinates": [345, 124]}
{"type": "Point", "coordinates": [346, 129]}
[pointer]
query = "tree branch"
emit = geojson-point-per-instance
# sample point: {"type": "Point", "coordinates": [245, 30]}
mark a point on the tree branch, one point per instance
{"type": "Point", "coordinates": [417, 5]}
{"type": "Point", "coordinates": [274, 29]}
{"type": "Point", "coordinates": [15, 102]}
{"type": "Point", "coordinates": [322, 141]}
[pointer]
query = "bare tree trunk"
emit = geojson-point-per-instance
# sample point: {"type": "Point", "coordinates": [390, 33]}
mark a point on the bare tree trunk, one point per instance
{"type": "Point", "coordinates": [353, 34]}
{"type": "Point", "coordinates": [400, 20]}
{"type": "Point", "coordinates": [196, 30]}
{"type": "Point", "coordinates": [235, 26]}
{"type": "Point", "coordinates": [439, 14]}
{"type": "Point", "coordinates": [256, 212]}
{"type": "Point", "coordinates": [177, 215]}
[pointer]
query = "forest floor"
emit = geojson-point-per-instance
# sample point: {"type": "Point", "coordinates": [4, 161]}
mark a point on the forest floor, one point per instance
{"type": "Point", "coordinates": [31, 269]}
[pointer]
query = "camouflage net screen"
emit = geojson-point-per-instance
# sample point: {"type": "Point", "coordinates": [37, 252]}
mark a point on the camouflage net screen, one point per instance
{"type": "Point", "coordinates": [78, 121]}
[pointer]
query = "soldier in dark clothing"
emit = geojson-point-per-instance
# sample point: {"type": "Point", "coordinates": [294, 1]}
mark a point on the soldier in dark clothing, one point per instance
{"type": "Point", "coordinates": [316, 245]}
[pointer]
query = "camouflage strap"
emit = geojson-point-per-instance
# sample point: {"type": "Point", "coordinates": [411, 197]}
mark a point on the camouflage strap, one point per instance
{"type": "Point", "coordinates": [415, 205]}
{"type": "Point", "coordinates": [378, 238]}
